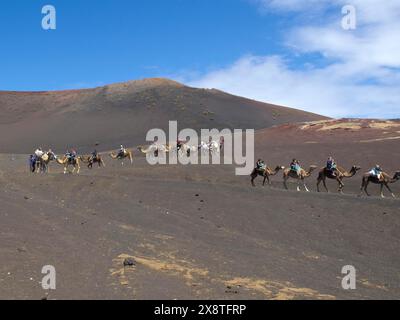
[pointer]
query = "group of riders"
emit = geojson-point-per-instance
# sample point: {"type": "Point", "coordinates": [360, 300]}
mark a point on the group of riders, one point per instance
{"type": "Point", "coordinates": [331, 168]}
{"type": "Point", "coordinates": [71, 156]}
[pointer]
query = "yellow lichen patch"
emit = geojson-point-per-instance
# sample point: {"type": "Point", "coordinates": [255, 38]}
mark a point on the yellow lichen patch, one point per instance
{"type": "Point", "coordinates": [368, 284]}
{"type": "Point", "coordinates": [179, 268]}
{"type": "Point", "coordinates": [312, 256]}
{"type": "Point", "coordinates": [380, 139]}
{"type": "Point", "coordinates": [342, 125]}
{"type": "Point", "coordinates": [276, 290]}
{"type": "Point", "coordinates": [163, 237]}
{"type": "Point", "coordinates": [128, 227]}
{"type": "Point", "coordinates": [384, 125]}
{"type": "Point", "coordinates": [349, 124]}
{"type": "Point", "coordinates": [120, 271]}
{"type": "Point", "coordinates": [311, 124]}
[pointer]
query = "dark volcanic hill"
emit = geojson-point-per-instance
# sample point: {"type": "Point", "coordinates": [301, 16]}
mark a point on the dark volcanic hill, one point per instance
{"type": "Point", "coordinates": [123, 113]}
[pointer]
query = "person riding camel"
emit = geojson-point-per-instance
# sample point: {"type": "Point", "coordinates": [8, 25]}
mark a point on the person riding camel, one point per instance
{"type": "Point", "coordinates": [179, 144]}
{"type": "Point", "coordinates": [51, 154]}
{"type": "Point", "coordinates": [260, 165]}
{"type": "Point", "coordinates": [39, 153]}
{"type": "Point", "coordinates": [71, 155]}
{"type": "Point", "coordinates": [331, 166]}
{"type": "Point", "coordinates": [221, 143]}
{"type": "Point", "coordinates": [295, 166]}
{"type": "Point", "coordinates": [94, 155]}
{"type": "Point", "coordinates": [376, 172]}
{"type": "Point", "coordinates": [121, 152]}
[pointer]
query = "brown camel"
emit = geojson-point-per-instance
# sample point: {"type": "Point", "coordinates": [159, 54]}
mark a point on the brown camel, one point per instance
{"type": "Point", "coordinates": [338, 176]}
{"type": "Point", "coordinates": [127, 154]}
{"type": "Point", "coordinates": [90, 160]}
{"type": "Point", "coordinates": [266, 173]}
{"type": "Point", "coordinates": [68, 162]}
{"type": "Point", "coordinates": [384, 180]}
{"type": "Point", "coordinates": [300, 176]}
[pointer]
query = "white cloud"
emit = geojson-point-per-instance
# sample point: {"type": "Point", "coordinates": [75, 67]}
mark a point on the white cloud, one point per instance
{"type": "Point", "coordinates": [362, 80]}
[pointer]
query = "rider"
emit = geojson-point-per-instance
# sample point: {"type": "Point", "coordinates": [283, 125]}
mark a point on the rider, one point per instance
{"type": "Point", "coordinates": [39, 153]}
{"type": "Point", "coordinates": [295, 166]}
{"type": "Point", "coordinates": [260, 165]}
{"type": "Point", "coordinates": [376, 172]}
{"type": "Point", "coordinates": [51, 154]}
{"type": "Point", "coordinates": [221, 143]}
{"type": "Point", "coordinates": [94, 155]}
{"type": "Point", "coordinates": [71, 155]}
{"type": "Point", "coordinates": [121, 151]}
{"type": "Point", "coordinates": [179, 144]}
{"type": "Point", "coordinates": [331, 165]}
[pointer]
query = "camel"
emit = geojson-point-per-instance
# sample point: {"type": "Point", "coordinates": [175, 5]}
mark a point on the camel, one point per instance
{"type": "Point", "coordinates": [384, 180]}
{"type": "Point", "coordinates": [155, 149]}
{"type": "Point", "coordinates": [67, 162]}
{"type": "Point", "coordinates": [299, 176]}
{"type": "Point", "coordinates": [42, 163]}
{"type": "Point", "coordinates": [127, 154]}
{"type": "Point", "coordinates": [188, 150]}
{"type": "Point", "coordinates": [212, 147]}
{"type": "Point", "coordinates": [340, 174]}
{"type": "Point", "coordinates": [151, 149]}
{"type": "Point", "coordinates": [90, 160]}
{"type": "Point", "coordinates": [266, 173]}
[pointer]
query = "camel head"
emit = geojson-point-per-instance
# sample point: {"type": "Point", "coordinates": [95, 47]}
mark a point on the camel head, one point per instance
{"type": "Point", "coordinates": [279, 168]}
{"type": "Point", "coordinates": [355, 169]}
{"type": "Point", "coordinates": [396, 176]}
{"type": "Point", "coordinates": [312, 168]}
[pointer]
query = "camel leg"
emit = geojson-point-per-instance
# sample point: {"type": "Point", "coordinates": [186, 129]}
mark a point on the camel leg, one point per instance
{"type": "Point", "coordinates": [366, 189]}
{"type": "Point", "coordinates": [266, 178]}
{"type": "Point", "coordinates": [325, 186]}
{"type": "Point", "coordinates": [253, 177]}
{"type": "Point", "coordinates": [318, 183]}
{"type": "Point", "coordinates": [298, 185]}
{"type": "Point", "coordinates": [341, 185]}
{"type": "Point", "coordinates": [362, 188]}
{"type": "Point", "coordinates": [382, 195]}
{"type": "Point", "coordinates": [285, 183]}
{"type": "Point", "coordinates": [390, 190]}
{"type": "Point", "coordinates": [305, 186]}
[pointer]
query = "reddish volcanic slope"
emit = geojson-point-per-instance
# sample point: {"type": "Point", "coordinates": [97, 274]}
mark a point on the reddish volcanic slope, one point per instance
{"type": "Point", "coordinates": [123, 113]}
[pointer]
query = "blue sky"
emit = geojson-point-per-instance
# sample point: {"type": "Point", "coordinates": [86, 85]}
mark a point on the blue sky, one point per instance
{"type": "Point", "coordinates": [288, 52]}
{"type": "Point", "coordinates": [116, 40]}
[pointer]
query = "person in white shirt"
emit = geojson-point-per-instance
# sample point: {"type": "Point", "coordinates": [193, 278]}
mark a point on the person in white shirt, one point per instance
{"type": "Point", "coordinates": [39, 153]}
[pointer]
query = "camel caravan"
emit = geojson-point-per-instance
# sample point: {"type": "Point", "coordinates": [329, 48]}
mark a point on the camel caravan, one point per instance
{"type": "Point", "coordinates": [330, 171]}
{"type": "Point", "coordinates": [39, 163]}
